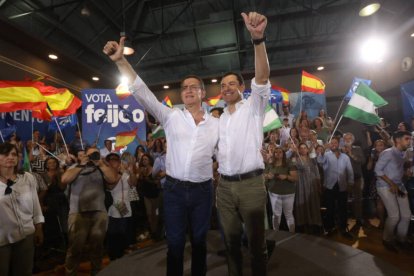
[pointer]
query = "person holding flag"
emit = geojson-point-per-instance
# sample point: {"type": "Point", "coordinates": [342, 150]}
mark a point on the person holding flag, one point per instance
{"type": "Point", "coordinates": [192, 136]}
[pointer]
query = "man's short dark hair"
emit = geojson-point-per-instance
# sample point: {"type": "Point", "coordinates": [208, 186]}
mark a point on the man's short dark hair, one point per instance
{"type": "Point", "coordinates": [219, 109]}
{"type": "Point", "coordinates": [399, 134]}
{"type": "Point", "coordinates": [238, 76]}
{"type": "Point", "coordinates": [200, 80]}
{"type": "Point", "coordinates": [336, 138]}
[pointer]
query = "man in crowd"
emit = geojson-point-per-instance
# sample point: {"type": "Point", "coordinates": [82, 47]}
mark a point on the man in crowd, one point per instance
{"type": "Point", "coordinates": [287, 115]}
{"type": "Point", "coordinates": [107, 149]}
{"type": "Point", "coordinates": [192, 136]}
{"type": "Point", "coordinates": [241, 194]}
{"type": "Point", "coordinates": [338, 177]}
{"type": "Point", "coordinates": [88, 218]}
{"type": "Point", "coordinates": [389, 170]}
{"type": "Point", "coordinates": [357, 157]}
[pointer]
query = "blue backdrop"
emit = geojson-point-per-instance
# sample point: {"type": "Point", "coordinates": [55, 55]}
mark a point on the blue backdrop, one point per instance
{"type": "Point", "coordinates": [407, 98]}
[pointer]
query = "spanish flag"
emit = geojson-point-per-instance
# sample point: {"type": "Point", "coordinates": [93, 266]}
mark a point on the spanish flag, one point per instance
{"type": "Point", "coordinates": [36, 96]}
{"type": "Point", "coordinates": [167, 102]}
{"type": "Point", "coordinates": [123, 139]}
{"type": "Point", "coordinates": [21, 95]}
{"type": "Point", "coordinates": [284, 92]}
{"type": "Point", "coordinates": [212, 101]}
{"type": "Point", "coordinates": [311, 83]}
{"type": "Point", "coordinates": [122, 91]}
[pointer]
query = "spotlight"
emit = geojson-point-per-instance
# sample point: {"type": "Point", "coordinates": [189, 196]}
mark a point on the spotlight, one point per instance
{"type": "Point", "coordinates": [166, 86]}
{"type": "Point", "coordinates": [412, 35]}
{"type": "Point", "coordinates": [53, 56]}
{"type": "Point", "coordinates": [85, 11]}
{"type": "Point", "coordinates": [124, 81]}
{"type": "Point", "coordinates": [373, 50]}
{"type": "Point", "coordinates": [369, 7]}
{"type": "Point", "coordinates": [95, 78]}
{"type": "Point", "coordinates": [214, 80]}
{"type": "Point", "coordinates": [320, 68]}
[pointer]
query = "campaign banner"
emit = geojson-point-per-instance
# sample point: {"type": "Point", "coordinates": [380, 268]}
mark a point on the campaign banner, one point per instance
{"type": "Point", "coordinates": [407, 98]}
{"type": "Point", "coordinates": [104, 115]}
{"type": "Point", "coordinates": [23, 123]}
{"type": "Point", "coordinates": [306, 101]}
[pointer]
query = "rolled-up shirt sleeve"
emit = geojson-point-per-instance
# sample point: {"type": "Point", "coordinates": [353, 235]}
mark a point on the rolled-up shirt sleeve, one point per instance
{"type": "Point", "coordinates": [147, 99]}
{"type": "Point", "coordinates": [383, 160]}
{"type": "Point", "coordinates": [260, 96]}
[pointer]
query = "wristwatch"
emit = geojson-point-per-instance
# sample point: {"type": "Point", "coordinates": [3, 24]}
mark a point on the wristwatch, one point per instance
{"type": "Point", "coordinates": [259, 40]}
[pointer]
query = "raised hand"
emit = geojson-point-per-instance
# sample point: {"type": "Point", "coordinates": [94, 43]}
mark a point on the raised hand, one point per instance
{"type": "Point", "coordinates": [255, 24]}
{"type": "Point", "coordinates": [115, 50]}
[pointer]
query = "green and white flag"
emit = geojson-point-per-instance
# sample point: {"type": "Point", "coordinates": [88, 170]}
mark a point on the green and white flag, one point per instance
{"type": "Point", "coordinates": [271, 120]}
{"type": "Point", "coordinates": [158, 132]}
{"type": "Point", "coordinates": [363, 104]}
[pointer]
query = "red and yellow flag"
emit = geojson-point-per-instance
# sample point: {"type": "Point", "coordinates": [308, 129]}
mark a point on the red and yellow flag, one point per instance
{"type": "Point", "coordinates": [284, 92]}
{"type": "Point", "coordinates": [167, 101]}
{"type": "Point", "coordinates": [21, 95]}
{"type": "Point", "coordinates": [123, 139]}
{"type": "Point", "coordinates": [36, 96]}
{"type": "Point", "coordinates": [311, 83]}
{"type": "Point", "coordinates": [212, 101]}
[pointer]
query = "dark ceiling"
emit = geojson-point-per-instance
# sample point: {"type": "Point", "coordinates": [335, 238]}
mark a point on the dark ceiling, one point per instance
{"type": "Point", "coordinates": [204, 37]}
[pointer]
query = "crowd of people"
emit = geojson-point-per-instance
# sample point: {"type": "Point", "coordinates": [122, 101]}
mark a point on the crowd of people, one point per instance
{"type": "Point", "coordinates": [302, 172]}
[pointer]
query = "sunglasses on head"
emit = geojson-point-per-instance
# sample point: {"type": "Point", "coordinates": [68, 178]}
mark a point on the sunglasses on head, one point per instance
{"type": "Point", "coordinates": [8, 190]}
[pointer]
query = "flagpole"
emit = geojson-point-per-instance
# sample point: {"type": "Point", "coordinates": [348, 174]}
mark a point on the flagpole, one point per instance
{"type": "Point", "coordinates": [99, 134]}
{"type": "Point", "coordinates": [63, 138]}
{"type": "Point", "coordinates": [48, 151]}
{"type": "Point", "coordinates": [80, 133]}
{"type": "Point", "coordinates": [1, 136]}
{"type": "Point", "coordinates": [339, 109]}
{"type": "Point", "coordinates": [333, 132]}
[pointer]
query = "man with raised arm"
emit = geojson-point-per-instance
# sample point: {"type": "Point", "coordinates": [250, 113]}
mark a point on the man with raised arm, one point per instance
{"type": "Point", "coordinates": [192, 136]}
{"type": "Point", "coordinates": [241, 193]}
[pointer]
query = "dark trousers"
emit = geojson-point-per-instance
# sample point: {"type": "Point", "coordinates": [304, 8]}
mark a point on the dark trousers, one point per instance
{"type": "Point", "coordinates": [187, 206]}
{"type": "Point", "coordinates": [118, 234]}
{"type": "Point", "coordinates": [16, 259]}
{"type": "Point", "coordinates": [335, 202]}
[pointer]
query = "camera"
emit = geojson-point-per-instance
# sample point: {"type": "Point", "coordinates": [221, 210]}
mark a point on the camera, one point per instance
{"type": "Point", "coordinates": [94, 156]}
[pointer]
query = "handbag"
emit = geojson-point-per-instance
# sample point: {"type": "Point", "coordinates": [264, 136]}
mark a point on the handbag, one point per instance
{"type": "Point", "coordinates": [121, 205]}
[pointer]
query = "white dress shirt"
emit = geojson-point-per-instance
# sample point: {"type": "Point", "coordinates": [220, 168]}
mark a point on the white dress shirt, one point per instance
{"type": "Point", "coordinates": [190, 146]}
{"type": "Point", "coordinates": [20, 210]}
{"type": "Point", "coordinates": [241, 133]}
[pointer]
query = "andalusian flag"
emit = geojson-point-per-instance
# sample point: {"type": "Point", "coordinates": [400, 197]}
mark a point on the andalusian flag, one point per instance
{"type": "Point", "coordinates": [26, 162]}
{"type": "Point", "coordinates": [123, 139]}
{"type": "Point", "coordinates": [167, 102]}
{"type": "Point", "coordinates": [311, 83]}
{"type": "Point", "coordinates": [158, 132]}
{"type": "Point", "coordinates": [271, 120]}
{"type": "Point", "coordinates": [363, 104]}
{"type": "Point", "coordinates": [284, 92]}
{"type": "Point", "coordinates": [212, 101]}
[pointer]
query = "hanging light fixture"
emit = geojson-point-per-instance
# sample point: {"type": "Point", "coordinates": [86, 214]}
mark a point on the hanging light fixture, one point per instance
{"type": "Point", "coordinates": [369, 7]}
{"type": "Point", "coordinates": [128, 49]}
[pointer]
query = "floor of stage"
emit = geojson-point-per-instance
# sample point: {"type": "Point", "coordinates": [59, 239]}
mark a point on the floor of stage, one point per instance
{"type": "Point", "coordinates": [294, 254]}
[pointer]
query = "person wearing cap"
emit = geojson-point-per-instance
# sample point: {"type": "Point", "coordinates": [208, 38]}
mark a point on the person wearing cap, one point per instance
{"type": "Point", "coordinates": [106, 149]}
{"type": "Point", "coordinates": [192, 136]}
{"type": "Point", "coordinates": [241, 192]}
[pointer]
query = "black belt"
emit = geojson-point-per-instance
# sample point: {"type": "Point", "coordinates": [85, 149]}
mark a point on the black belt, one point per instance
{"type": "Point", "coordinates": [185, 183]}
{"type": "Point", "coordinates": [243, 176]}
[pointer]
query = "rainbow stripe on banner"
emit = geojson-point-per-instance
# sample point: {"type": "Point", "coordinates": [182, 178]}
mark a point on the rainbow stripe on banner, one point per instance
{"type": "Point", "coordinates": [167, 102]}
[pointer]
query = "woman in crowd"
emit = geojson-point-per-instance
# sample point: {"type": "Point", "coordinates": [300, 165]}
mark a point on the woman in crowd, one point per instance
{"type": "Point", "coordinates": [307, 197]}
{"type": "Point", "coordinates": [157, 148]}
{"type": "Point", "coordinates": [321, 130]}
{"type": "Point", "coordinates": [379, 146]}
{"type": "Point", "coordinates": [149, 187]}
{"type": "Point", "coordinates": [55, 205]}
{"type": "Point", "coordinates": [281, 177]}
{"type": "Point", "coordinates": [120, 214]}
{"type": "Point", "coordinates": [20, 216]}
{"type": "Point", "coordinates": [139, 152]}
{"type": "Point", "coordinates": [37, 161]}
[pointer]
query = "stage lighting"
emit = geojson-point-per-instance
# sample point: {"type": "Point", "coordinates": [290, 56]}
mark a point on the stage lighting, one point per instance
{"type": "Point", "coordinates": [373, 50]}
{"type": "Point", "coordinates": [124, 81]}
{"type": "Point", "coordinates": [369, 7]}
{"type": "Point", "coordinates": [166, 86]}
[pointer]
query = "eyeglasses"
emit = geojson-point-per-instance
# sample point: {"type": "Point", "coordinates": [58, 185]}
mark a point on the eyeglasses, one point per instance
{"type": "Point", "coordinates": [8, 190]}
{"type": "Point", "coordinates": [192, 88]}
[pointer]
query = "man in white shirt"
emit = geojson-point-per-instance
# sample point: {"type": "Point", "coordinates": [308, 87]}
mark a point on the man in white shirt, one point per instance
{"type": "Point", "coordinates": [107, 149]}
{"type": "Point", "coordinates": [192, 136]}
{"type": "Point", "coordinates": [241, 193]}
